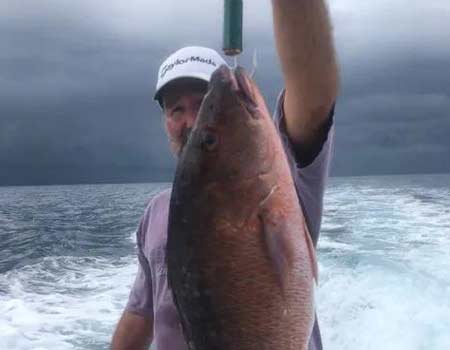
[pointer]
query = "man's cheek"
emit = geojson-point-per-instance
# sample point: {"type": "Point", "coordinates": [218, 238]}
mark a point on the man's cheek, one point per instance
{"type": "Point", "coordinates": [173, 129]}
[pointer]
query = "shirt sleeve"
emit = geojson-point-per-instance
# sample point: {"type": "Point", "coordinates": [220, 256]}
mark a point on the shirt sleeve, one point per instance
{"type": "Point", "coordinates": [309, 167]}
{"type": "Point", "coordinates": [140, 300]}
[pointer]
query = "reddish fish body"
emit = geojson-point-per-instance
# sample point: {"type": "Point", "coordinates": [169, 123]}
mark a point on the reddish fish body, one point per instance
{"type": "Point", "coordinates": [240, 261]}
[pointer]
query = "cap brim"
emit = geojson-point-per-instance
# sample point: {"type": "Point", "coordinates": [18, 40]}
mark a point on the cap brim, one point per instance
{"type": "Point", "coordinates": [199, 76]}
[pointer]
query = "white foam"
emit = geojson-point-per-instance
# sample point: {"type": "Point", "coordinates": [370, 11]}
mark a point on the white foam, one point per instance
{"type": "Point", "coordinates": [392, 291]}
{"type": "Point", "coordinates": [370, 308]}
{"type": "Point", "coordinates": [328, 244]}
{"type": "Point", "coordinates": [133, 237]}
{"type": "Point", "coordinates": [80, 302]}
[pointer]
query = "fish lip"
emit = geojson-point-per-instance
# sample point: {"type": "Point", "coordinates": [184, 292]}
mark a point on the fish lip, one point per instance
{"type": "Point", "coordinates": [223, 77]}
{"type": "Point", "coordinates": [246, 91]}
{"type": "Point", "coordinates": [238, 82]}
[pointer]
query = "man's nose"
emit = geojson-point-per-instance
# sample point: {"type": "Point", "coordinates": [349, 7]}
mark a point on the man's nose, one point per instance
{"type": "Point", "coordinates": [190, 118]}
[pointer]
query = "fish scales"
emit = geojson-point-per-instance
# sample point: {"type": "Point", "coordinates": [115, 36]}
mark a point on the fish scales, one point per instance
{"type": "Point", "coordinates": [241, 264]}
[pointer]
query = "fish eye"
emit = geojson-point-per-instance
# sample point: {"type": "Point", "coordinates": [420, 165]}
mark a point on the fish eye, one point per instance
{"type": "Point", "coordinates": [209, 140]}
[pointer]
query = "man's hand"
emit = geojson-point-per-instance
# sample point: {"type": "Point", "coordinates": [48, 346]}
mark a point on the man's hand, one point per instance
{"type": "Point", "coordinates": [134, 332]}
{"type": "Point", "coordinates": [305, 47]}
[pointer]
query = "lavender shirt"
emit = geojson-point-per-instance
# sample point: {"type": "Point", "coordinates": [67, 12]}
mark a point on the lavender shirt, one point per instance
{"type": "Point", "coordinates": [151, 296]}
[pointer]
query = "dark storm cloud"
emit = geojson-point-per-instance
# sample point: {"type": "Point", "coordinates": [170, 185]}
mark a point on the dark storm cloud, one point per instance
{"type": "Point", "coordinates": [76, 81]}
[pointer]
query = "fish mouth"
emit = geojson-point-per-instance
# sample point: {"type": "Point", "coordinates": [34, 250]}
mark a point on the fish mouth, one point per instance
{"type": "Point", "coordinates": [238, 83]}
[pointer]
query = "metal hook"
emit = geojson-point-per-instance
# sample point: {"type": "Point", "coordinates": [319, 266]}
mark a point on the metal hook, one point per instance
{"type": "Point", "coordinates": [255, 64]}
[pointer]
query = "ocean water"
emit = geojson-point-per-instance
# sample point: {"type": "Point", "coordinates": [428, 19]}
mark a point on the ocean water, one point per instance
{"type": "Point", "coordinates": [67, 263]}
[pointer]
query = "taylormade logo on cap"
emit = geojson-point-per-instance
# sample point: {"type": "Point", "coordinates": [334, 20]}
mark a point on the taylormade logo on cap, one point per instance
{"type": "Point", "coordinates": [189, 62]}
{"type": "Point", "coordinates": [179, 61]}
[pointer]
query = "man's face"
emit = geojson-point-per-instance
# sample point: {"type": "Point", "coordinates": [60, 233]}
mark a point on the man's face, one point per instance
{"type": "Point", "coordinates": [181, 103]}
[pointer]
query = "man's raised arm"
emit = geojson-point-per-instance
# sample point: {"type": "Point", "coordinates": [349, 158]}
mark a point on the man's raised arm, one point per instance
{"type": "Point", "coordinates": [305, 46]}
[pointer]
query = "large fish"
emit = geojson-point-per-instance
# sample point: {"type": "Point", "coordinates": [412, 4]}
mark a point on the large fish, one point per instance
{"type": "Point", "coordinates": [241, 264]}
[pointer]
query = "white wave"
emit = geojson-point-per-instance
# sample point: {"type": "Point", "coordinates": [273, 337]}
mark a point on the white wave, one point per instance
{"type": "Point", "coordinates": [372, 308]}
{"type": "Point", "coordinates": [63, 303]}
{"type": "Point", "coordinates": [133, 237]}
{"type": "Point", "coordinates": [391, 291]}
{"type": "Point", "coordinates": [338, 246]}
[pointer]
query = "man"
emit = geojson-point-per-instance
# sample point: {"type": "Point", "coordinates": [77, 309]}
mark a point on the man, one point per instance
{"type": "Point", "coordinates": [304, 117]}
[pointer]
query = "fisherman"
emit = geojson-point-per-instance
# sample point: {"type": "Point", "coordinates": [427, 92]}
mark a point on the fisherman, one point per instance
{"type": "Point", "coordinates": [304, 118]}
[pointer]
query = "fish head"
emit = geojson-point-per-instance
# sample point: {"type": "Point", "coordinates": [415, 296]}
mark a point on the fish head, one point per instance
{"type": "Point", "coordinates": [231, 138]}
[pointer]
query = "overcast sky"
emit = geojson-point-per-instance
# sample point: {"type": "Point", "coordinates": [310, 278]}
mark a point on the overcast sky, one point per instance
{"type": "Point", "coordinates": [77, 77]}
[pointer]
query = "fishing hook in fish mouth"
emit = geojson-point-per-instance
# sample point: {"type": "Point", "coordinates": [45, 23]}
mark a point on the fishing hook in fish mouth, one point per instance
{"type": "Point", "coordinates": [254, 63]}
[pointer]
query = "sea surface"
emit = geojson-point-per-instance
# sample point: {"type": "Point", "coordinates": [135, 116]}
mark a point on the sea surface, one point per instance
{"type": "Point", "coordinates": [67, 263]}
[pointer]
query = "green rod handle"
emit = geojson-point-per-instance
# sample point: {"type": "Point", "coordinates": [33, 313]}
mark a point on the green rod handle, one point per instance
{"type": "Point", "coordinates": [232, 27]}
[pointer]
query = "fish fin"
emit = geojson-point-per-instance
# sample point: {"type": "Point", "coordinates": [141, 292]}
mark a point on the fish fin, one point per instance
{"type": "Point", "coordinates": [312, 254]}
{"type": "Point", "coordinates": [278, 248]}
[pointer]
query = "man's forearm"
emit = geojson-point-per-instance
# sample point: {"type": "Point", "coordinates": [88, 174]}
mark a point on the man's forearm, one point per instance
{"type": "Point", "coordinates": [133, 332]}
{"type": "Point", "coordinates": [305, 46]}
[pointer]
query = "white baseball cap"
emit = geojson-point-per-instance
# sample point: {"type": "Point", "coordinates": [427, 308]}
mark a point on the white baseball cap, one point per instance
{"type": "Point", "coordinates": [188, 62]}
